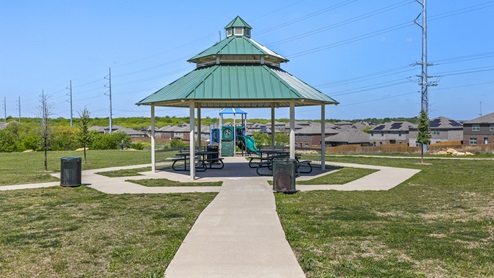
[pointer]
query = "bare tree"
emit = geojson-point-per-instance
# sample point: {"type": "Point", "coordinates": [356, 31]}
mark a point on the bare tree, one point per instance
{"type": "Point", "coordinates": [45, 112]}
{"type": "Point", "coordinates": [83, 134]}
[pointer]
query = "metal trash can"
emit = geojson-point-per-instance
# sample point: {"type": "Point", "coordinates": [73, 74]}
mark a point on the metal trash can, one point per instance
{"type": "Point", "coordinates": [284, 172]}
{"type": "Point", "coordinates": [70, 171]}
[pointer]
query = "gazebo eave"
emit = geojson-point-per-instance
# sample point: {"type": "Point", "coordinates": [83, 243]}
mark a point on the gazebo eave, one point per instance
{"type": "Point", "coordinates": [240, 103]}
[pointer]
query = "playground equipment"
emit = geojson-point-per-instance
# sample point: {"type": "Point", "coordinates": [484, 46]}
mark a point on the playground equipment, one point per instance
{"type": "Point", "coordinates": [232, 135]}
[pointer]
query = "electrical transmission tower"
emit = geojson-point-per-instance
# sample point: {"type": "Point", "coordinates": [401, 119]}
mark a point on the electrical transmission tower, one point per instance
{"type": "Point", "coordinates": [70, 100]}
{"type": "Point", "coordinates": [424, 77]}
{"type": "Point", "coordinates": [5, 109]}
{"type": "Point", "coordinates": [108, 77]}
{"type": "Point", "coordinates": [19, 108]}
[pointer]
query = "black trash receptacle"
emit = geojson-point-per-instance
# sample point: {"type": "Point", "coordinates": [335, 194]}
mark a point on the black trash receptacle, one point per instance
{"type": "Point", "coordinates": [70, 171]}
{"type": "Point", "coordinates": [284, 172]}
{"type": "Point", "coordinates": [212, 149]}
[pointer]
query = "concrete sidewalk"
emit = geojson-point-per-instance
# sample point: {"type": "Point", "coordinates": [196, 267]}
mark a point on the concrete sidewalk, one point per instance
{"type": "Point", "coordinates": [238, 235]}
{"type": "Point", "coordinates": [384, 179]}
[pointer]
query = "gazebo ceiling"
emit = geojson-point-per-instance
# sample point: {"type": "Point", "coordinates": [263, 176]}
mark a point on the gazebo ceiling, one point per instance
{"type": "Point", "coordinates": [245, 86]}
{"type": "Point", "coordinates": [238, 72]}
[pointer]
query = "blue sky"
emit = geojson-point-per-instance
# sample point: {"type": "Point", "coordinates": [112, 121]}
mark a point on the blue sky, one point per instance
{"type": "Point", "coordinates": [359, 52]}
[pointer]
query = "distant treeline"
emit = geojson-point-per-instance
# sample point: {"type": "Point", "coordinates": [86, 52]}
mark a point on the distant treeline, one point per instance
{"type": "Point", "coordinates": [139, 123]}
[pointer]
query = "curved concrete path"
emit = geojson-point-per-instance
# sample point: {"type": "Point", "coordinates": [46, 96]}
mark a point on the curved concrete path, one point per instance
{"type": "Point", "coordinates": [239, 234]}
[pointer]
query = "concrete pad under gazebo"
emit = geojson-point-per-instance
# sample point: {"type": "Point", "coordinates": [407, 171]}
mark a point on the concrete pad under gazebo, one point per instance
{"type": "Point", "coordinates": [237, 72]}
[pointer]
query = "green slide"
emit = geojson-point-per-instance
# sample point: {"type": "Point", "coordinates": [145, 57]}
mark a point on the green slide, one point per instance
{"type": "Point", "coordinates": [250, 144]}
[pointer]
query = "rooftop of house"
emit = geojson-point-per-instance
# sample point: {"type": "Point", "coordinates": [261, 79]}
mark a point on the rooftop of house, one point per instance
{"type": "Point", "coordinates": [350, 136]}
{"type": "Point", "coordinates": [486, 119]}
{"type": "Point", "coordinates": [442, 123]}
{"type": "Point", "coordinates": [393, 126]}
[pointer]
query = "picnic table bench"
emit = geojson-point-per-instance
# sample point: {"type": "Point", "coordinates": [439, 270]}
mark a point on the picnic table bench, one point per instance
{"type": "Point", "coordinates": [203, 160]}
{"type": "Point", "coordinates": [302, 166]}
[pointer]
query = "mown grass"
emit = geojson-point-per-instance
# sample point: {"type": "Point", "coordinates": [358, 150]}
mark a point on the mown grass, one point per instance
{"type": "Point", "coordinates": [437, 224]}
{"type": "Point", "coordinates": [125, 172]}
{"type": "Point", "coordinates": [167, 182]}
{"type": "Point", "coordinates": [341, 176]}
{"type": "Point", "coordinates": [80, 232]}
{"type": "Point", "coordinates": [19, 168]}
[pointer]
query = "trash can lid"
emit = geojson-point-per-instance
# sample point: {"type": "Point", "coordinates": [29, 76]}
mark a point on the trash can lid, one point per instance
{"type": "Point", "coordinates": [71, 158]}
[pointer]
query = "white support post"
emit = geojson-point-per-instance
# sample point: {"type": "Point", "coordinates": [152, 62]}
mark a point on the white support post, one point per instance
{"type": "Point", "coordinates": [292, 130]}
{"type": "Point", "coordinates": [323, 137]}
{"type": "Point", "coordinates": [221, 134]}
{"type": "Point", "coordinates": [192, 149]}
{"type": "Point", "coordinates": [234, 133]}
{"type": "Point", "coordinates": [153, 143]}
{"type": "Point", "coordinates": [199, 126]}
{"type": "Point", "coordinates": [272, 126]}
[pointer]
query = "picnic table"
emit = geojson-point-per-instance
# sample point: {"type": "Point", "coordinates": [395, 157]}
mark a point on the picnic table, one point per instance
{"type": "Point", "coordinates": [203, 158]}
{"type": "Point", "coordinates": [265, 161]}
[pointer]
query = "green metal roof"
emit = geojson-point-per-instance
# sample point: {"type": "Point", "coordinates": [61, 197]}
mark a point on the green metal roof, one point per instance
{"type": "Point", "coordinates": [240, 86]}
{"type": "Point", "coordinates": [237, 46]}
{"type": "Point", "coordinates": [237, 22]}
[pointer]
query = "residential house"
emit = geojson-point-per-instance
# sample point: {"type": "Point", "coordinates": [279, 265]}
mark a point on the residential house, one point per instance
{"type": "Point", "coordinates": [4, 124]}
{"type": "Point", "coordinates": [348, 136]}
{"type": "Point", "coordinates": [308, 136]}
{"type": "Point", "coordinates": [479, 130]}
{"type": "Point", "coordinates": [442, 129]}
{"type": "Point", "coordinates": [390, 133]}
{"type": "Point", "coordinates": [115, 128]}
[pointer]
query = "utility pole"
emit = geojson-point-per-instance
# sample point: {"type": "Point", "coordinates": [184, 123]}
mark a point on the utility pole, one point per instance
{"type": "Point", "coordinates": [5, 109]}
{"type": "Point", "coordinates": [480, 109]}
{"type": "Point", "coordinates": [19, 107]}
{"type": "Point", "coordinates": [109, 94]}
{"type": "Point", "coordinates": [423, 82]}
{"type": "Point", "coordinates": [70, 100]}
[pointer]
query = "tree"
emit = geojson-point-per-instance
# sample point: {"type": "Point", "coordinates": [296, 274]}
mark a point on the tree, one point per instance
{"type": "Point", "coordinates": [45, 112]}
{"type": "Point", "coordinates": [83, 135]}
{"type": "Point", "coordinates": [261, 138]}
{"type": "Point", "coordinates": [281, 139]}
{"type": "Point", "coordinates": [424, 134]}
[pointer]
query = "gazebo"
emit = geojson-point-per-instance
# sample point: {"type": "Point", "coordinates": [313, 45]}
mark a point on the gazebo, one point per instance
{"type": "Point", "coordinates": [237, 72]}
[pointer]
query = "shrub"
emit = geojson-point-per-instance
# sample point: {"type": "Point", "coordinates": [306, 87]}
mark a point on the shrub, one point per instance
{"type": "Point", "coordinates": [177, 143]}
{"type": "Point", "coordinates": [111, 141]}
{"type": "Point", "coordinates": [137, 146]}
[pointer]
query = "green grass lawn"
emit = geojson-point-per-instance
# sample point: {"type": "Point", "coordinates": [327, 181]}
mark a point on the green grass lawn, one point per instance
{"type": "Point", "coordinates": [125, 172]}
{"type": "Point", "coordinates": [19, 168]}
{"type": "Point", "coordinates": [440, 223]}
{"type": "Point", "coordinates": [80, 232]}
{"type": "Point", "coordinates": [342, 176]}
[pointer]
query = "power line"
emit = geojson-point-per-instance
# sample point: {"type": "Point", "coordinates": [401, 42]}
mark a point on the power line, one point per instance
{"type": "Point", "coordinates": [342, 23]}
{"type": "Point", "coordinates": [350, 40]}
{"type": "Point", "coordinates": [463, 10]}
{"type": "Point", "coordinates": [304, 17]}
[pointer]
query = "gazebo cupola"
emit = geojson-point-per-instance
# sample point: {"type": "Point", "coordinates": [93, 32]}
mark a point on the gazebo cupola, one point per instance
{"type": "Point", "coordinates": [238, 27]}
{"type": "Point", "coordinates": [238, 48]}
